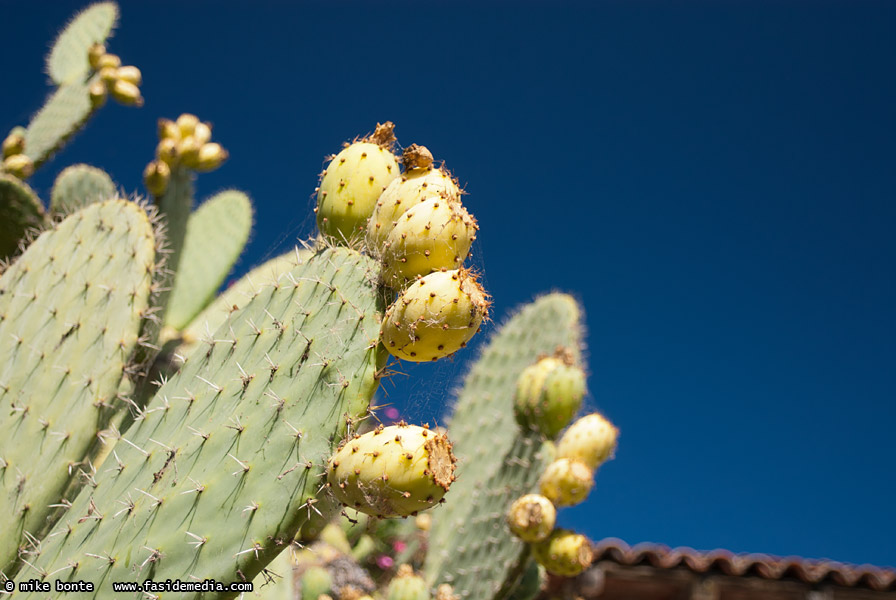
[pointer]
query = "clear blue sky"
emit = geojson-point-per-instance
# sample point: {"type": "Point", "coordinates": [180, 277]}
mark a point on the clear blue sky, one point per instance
{"type": "Point", "coordinates": [716, 181]}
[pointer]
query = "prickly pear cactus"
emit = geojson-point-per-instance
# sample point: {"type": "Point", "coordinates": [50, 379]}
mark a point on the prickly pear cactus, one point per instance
{"type": "Point", "coordinates": [68, 59]}
{"type": "Point", "coordinates": [223, 466]}
{"type": "Point", "coordinates": [20, 211]}
{"type": "Point", "coordinates": [70, 312]}
{"type": "Point", "coordinates": [78, 186]}
{"type": "Point", "coordinates": [215, 237]}
{"type": "Point", "coordinates": [470, 545]}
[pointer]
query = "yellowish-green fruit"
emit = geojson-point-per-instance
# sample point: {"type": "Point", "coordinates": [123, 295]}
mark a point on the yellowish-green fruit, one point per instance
{"type": "Point", "coordinates": [350, 187]}
{"type": "Point", "coordinates": [405, 192]}
{"type": "Point", "coordinates": [434, 235]}
{"type": "Point", "coordinates": [130, 73]}
{"type": "Point", "coordinates": [168, 129]}
{"type": "Point", "coordinates": [108, 75]}
{"type": "Point", "coordinates": [156, 177]}
{"type": "Point", "coordinates": [566, 482]}
{"type": "Point", "coordinates": [202, 132]}
{"type": "Point", "coordinates": [126, 93]}
{"type": "Point", "coordinates": [107, 61]}
{"type": "Point", "coordinates": [19, 165]}
{"type": "Point", "coordinates": [98, 92]}
{"type": "Point", "coordinates": [186, 123]}
{"type": "Point", "coordinates": [531, 518]}
{"type": "Point", "coordinates": [591, 440]}
{"type": "Point", "coordinates": [548, 395]}
{"type": "Point", "coordinates": [407, 586]}
{"type": "Point", "coordinates": [434, 317]}
{"type": "Point", "coordinates": [393, 471]}
{"type": "Point", "coordinates": [564, 553]}
{"type": "Point", "coordinates": [188, 151]}
{"type": "Point", "coordinates": [315, 581]}
{"type": "Point", "coordinates": [13, 144]}
{"type": "Point", "coordinates": [167, 151]}
{"type": "Point", "coordinates": [211, 156]}
{"type": "Point", "coordinates": [94, 54]}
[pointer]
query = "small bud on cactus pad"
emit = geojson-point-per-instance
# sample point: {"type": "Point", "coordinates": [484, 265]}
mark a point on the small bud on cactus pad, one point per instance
{"type": "Point", "coordinates": [393, 471]}
{"type": "Point", "coordinates": [435, 317]}
{"type": "Point", "coordinates": [436, 234]}
{"type": "Point", "coordinates": [351, 185]}
{"type": "Point", "coordinates": [402, 194]}
{"type": "Point", "coordinates": [566, 482]}
{"type": "Point", "coordinates": [564, 553]}
{"type": "Point", "coordinates": [548, 395]}
{"type": "Point", "coordinates": [407, 586]}
{"type": "Point", "coordinates": [531, 518]}
{"type": "Point", "coordinates": [591, 440]}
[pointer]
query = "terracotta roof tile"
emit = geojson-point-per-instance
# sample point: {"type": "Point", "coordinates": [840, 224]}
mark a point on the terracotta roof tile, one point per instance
{"type": "Point", "coordinates": [737, 565]}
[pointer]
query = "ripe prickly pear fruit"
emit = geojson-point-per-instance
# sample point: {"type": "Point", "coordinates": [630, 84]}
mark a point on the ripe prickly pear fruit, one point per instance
{"type": "Point", "coordinates": [19, 165]}
{"type": "Point", "coordinates": [168, 129]}
{"type": "Point", "coordinates": [548, 394]}
{"type": "Point", "coordinates": [435, 317]}
{"type": "Point", "coordinates": [130, 73]}
{"type": "Point", "coordinates": [188, 151]}
{"type": "Point", "coordinates": [532, 517]}
{"type": "Point", "coordinates": [352, 183]}
{"type": "Point", "coordinates": [315, 582]}
{"type": "Point", "coordinates": [156, 177]}
{"type": "Point", "coordinates": [186, 124]}
{"type": "Point", "coordinates": [393, 471]}
{"type": "Point", "coordinates": [126, 93]}
{"type": "Point", "coordinates": [402, 194]}
{"type": "Point", "coordinates": [564, 553]}
{"type": "Point", "coordinates": [436, 234]}
{"type": "Point", "coordinates": [94, 54]}
{"type": "Point", "coordinates": [566, 482]}
{"type": "Point", "coordinates": [211, 156]}
{"type": "Point", "coordinates": [98, 93]}
{"type": "Point", "coordinates": [14, 144]}
{"type": "Point", "coordinates": [202, 132]}
{"type": "Point", "coordinates": [107, 61]}
{"type": "Point", "coordinates": [446, 592]}
{"type": "Point", "coordinates": [407, 586]}
{"type": "Point", "coordinates": [108, 75]}
{"type": "Point", "coordinates": [591, 440]}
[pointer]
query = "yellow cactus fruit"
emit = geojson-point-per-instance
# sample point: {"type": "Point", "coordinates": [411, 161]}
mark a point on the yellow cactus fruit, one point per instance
{"type": "Point", "coordinates": [108, 61]}
{"type": "Point", "coordinates": [392, 471]}
{"type": "Point", "coordinates": [98, 93]}
{"type": "Point", "coordinates": [187, 123]}
{"type": "Point", "coordinates": [211, 156]}
{"type": "Point", "coordinates": [202, 132]}
{"type": "Point", "coordinates": [19, 165]}
{"type": "Point", "coordinates": [94, 53]}
{"type": "Point", "coordinates": [435, 317]}
{"type": "Point", "coordinates": [168, 129]}
{"type": "Point", "coordinates": [167, 151]}
{"type": "Point", "coordinates": [405, 192]}
{"type": "Point", "coordinates": [548, 394]}
{"type": "Point", "coordinates": [446, 592]}
{"type": "Point", "coordinates": [566, 482]}
{"type": "Point", "coordinates": [531, 518]}
{"type": "Point", "coordinates": [564, 553]}
{"type": "Point", "coordinates": [352, 183]}
{"type": "Point", "coordinates": [188, 151]}
{"type": "Point", "coordinates": [130, 73]}
{"type": "Point", "coordinates": [13, 144]}
{"type": "Point", "coordinates": [126, 93]}
{"type": "Point", "coordinates": [156, 177]}
{"type": "Point", "coordinates": [108, 75]}
{"type": "Point", "coordinates": [436, 234]}
{"type": "Point", "coordinates": [591, 440]}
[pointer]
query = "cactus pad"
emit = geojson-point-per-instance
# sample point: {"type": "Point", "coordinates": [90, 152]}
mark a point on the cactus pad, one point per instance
{"type": "Point", "coordinates": [80, 185]}
{"type": "Point", "coordinates": [67, 61]}
{"type": "Point", "coordinates": [471, 546]}
{"type": "Point", "coordinates": [221, 469]}
{"type": "Point", "coordinates": [216, 235]}
{"type": "Point", "coordinates": [70, 311]}
{"type": "Point", "coordinates": [20, 211]}
{"type": "Point", "coordinates": [65, 111]}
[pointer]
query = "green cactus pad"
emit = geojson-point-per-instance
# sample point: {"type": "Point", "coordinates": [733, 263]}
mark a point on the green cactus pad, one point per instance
{"type": "Point", "coordinates": [67, 61]}
{"type": "Point", "coordinates": [241, 292]}
{"type": "Point", "coordinates": [470, 545]}
{"type": "Point", "coordinates": [216, 235]}
{"type": "Point", "coordinates": [221, 469]}
{"type": "Point", "coordinates": [80, 185]}
{"type": "Point", "coordinates": [70, 312]}
{"type": "Point", "coordinates": [277, 581]}
{"type": "Point", "coordinates": [65, 111]}
{"type": "Point", "coordinates": [20, 211]}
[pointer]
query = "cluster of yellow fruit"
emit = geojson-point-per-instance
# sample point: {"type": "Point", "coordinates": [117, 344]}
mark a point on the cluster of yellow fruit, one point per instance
{"type": "Point", "coordinates": [120, 82]}
{"type": "Point", "coordinates": [15, 161]}
{"type": "Point", "coordinates": [415, 223]}
{"type": "Point", "coordinates": [186, 142]}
